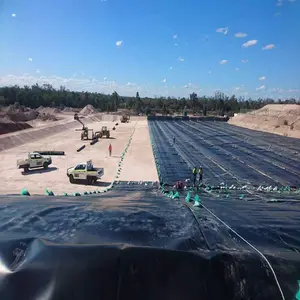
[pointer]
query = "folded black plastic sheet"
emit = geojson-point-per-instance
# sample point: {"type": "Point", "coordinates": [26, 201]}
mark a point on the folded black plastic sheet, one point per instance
{"type": "Point", "coordinates": [130, 243]}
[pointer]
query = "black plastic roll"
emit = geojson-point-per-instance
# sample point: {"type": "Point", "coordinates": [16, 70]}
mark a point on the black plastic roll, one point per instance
{"type": "Point", "coordinates": [94, 141]}
{"type": "Point", "coordinates": [51, 152]}
{"type": "Point", "coordinates": [81, 148]}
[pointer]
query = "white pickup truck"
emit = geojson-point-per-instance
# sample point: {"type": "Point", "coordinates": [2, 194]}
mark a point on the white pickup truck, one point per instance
{"type": "Point", "coordinates": [34, 160]}
{"type": "Point", "coordinates": [85, 171]}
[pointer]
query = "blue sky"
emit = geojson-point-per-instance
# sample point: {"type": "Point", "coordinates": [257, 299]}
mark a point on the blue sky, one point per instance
{"type": "Point", "coordinates": [248, 48]}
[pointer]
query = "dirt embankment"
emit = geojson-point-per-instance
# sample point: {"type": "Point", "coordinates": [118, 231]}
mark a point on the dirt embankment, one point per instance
{"type": "Point", "coordinates": [283, 119]}
{"type": "Point", "coordinates": [7, 127]}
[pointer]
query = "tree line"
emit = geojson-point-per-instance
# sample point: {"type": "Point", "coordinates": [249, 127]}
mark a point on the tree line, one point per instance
{"type": "Point", "coordinates": [46, 95]}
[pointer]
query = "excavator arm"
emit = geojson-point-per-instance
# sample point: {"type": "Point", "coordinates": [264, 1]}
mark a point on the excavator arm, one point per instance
{"type": "Point", "coordinates": [76, 117]}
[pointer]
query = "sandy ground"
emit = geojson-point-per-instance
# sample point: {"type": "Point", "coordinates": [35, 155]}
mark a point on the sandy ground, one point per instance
{"type": "Point", "coordinates": [138, 163]}
{"type": "Point", "coordinates": [282, 119]}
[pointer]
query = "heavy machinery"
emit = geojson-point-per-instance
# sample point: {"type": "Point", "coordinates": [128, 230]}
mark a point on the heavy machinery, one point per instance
{"type": "Point", "coordinates": [94, 135]}
{"type": "Point", "coordinates": [85, 130]}
{"type": "Point", "coordinates": [104, 132]}
{"type": "Point", "coordinates": [125, 119]}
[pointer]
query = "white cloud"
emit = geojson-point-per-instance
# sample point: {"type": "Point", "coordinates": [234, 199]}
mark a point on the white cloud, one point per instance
{"type": "Point", "coordinates": [277, 90]}
{"type": "Point", "coordinates": [191, 86]}
{"type": "Point", "coordinates": [262, 78]}
{"type": "Point", "coordinates": [209, 72]}
{"type": "Point", "coordinates": [293, 90]}
{"type": "Point", "coordinates": [180, 59]}
{"type": "Point", "coordinates": [104, 78]}
{"type": "Point", "coordinates": [224, 61]}
{"type": "Point", "coordinates": [37, 71]}
{"type": "Point", "coordinates": [119, 43]}
{"type": "Point", "coordinates": [250, 43]}
{"type": "Point", "coordinates": [164, 80]}
{"type": "Point", "coordinates": [241, 35]}
{"type": "Point", "coordinates": [175, 36]}
{"type": "Point", "coordinates": [13, 15]}
{"type": "Point", "coordinates": [176, 45]}
{"type": "Point", "coordinates": [222, 30]}
{"type": "Point", "coordinates": [237, 69]}
{"type": "Point", "coordinates": [279, 3]}
{"type": "Point", "coordinates": [244, 61]}
{"type": "Point", "coordinates": [30, 59]}
{"type": "Point", "coordinates": [268, 47]}
{"type": "Point", "coordinates": [171, 68]}
{"type": "Point", "coordinates": [237, 88]}
{"type": "Point", "coordinates": [261, 88]}
{"type": "Point", "coordinates": [131, 84]}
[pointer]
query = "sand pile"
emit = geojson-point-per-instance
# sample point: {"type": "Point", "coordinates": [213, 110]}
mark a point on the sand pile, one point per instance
{"type": "Point", "coordinates": [88, 110]}
{"type": "Point", "coordinates": [283, 119]}
{"type": "Point", "coordinates": [48, 110]}
{"type": "Point", "coordinates": [47, 117]}
{"type": "Point", "coordinates": [20, 116]}
{"type": "Point", "coordinates": [7, 125]}
{"type": "Point", "coordinates": [68, 109]}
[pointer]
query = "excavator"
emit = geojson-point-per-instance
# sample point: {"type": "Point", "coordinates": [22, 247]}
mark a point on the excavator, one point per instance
{"type": "Point", "coordinates": [85, 131]}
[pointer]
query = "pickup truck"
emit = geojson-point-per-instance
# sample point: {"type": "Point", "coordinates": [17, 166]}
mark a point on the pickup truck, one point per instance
{"type": "Point", "coordinates": [84, 171]}
{"type": "Point", "coordinates": [34, 160]}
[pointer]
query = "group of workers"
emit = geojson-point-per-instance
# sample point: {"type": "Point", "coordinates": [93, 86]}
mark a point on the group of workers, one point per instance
{"type": "Point", "coordinates": [198, 172]}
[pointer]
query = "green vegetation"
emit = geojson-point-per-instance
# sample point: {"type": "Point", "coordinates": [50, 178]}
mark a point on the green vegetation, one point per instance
{"type": "Point", "coordinates": [46, 95]}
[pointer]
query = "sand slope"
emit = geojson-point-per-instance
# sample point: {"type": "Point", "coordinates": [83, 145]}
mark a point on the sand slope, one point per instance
{"type": "Point", "coordinates": [283, 119]}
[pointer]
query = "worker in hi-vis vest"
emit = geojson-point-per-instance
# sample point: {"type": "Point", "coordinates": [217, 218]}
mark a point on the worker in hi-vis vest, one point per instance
{"type": "Point", "coordinates": [194, 175]}
{"type": "Point", "coordinates": [200, 172]}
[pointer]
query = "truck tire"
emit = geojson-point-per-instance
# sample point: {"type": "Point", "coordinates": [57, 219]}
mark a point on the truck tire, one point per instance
{"type": "Point", "coordinates": [107, 135]}
{"type": "Point", "coordinates": [45, 165]}
{"type": "Point", "coordinates": [26, 169]}
{"type": "Point", "coordinates": [71, 179]}
{"type": "Point", "coordinates": [91, 180]}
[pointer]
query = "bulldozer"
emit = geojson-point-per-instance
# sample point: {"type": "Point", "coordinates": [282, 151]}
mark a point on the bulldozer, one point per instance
{"type": "Point", "coordinates": [125, 119]}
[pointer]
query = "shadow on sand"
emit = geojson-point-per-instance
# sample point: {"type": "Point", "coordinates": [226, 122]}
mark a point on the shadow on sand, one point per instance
{"type": "Point", "coordinates": [39, 171]}
{"type": "Point", "coordinates": [97, 184]}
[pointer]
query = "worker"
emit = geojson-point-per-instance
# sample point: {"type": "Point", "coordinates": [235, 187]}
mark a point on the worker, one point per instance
{"type": "Point", "coordinates": [194, 175]}
{"type": "Point", "coordinates": [174, 140]}
{"type": "Point", "coordinates": [110, 149]}
{"type": "Point", "coordinates": [200, 172]}
{"type": "Point", "coordinates": [179, 185]}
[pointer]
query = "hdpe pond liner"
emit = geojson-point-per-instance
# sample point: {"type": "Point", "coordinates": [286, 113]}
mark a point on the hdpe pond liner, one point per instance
{"type": "Point", "coordinates": [131, 243]}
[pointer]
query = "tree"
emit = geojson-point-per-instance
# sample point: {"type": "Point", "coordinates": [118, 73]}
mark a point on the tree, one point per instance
{"type": "Point", "coordinates": [46, 95]}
